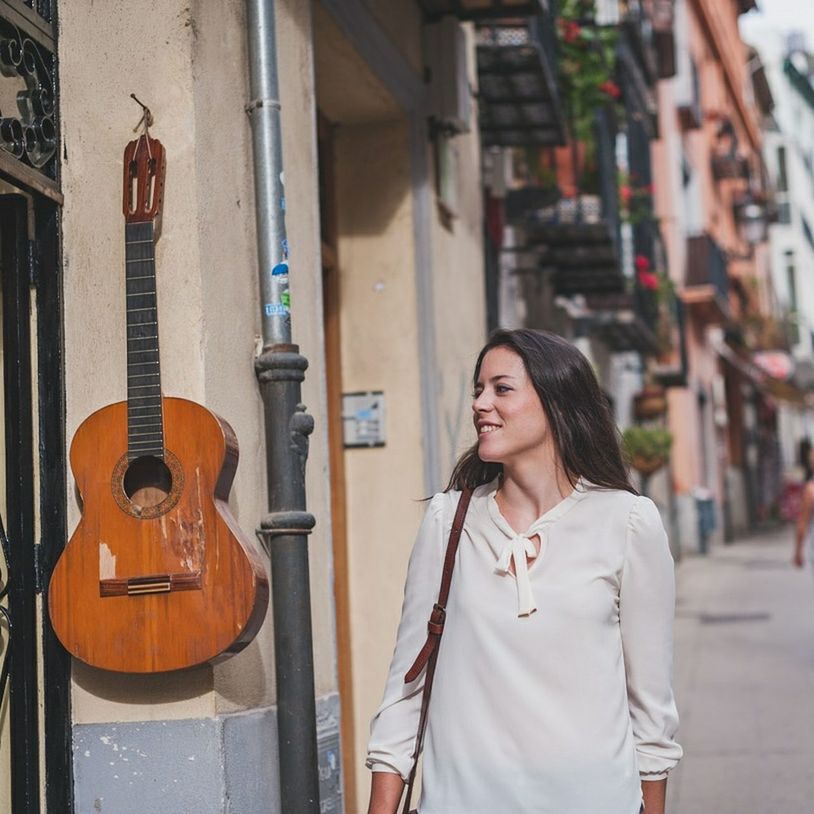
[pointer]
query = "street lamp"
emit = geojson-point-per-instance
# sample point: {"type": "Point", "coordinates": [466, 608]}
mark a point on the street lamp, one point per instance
{"type": "Point", "coordinates": [752, 220]}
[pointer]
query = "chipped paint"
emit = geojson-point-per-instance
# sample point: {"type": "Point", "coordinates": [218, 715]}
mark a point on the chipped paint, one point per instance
{"type": "Point", "coordinates": [107, 562]}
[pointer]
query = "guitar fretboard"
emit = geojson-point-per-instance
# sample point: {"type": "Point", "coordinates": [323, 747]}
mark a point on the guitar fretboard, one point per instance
{"type": "Point", "coordinates": [145, 425]}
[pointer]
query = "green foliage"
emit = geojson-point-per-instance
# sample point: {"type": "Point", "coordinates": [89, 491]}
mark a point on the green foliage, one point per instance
{"type": "Point", "coordinates": [587, 64]}
{"type": "Point", "coordinates": [646, 442]}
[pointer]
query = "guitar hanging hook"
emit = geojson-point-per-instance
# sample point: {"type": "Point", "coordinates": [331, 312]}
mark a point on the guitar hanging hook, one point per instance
{"type": "Point", "coordinates": [146, 120]}
{"type": "Point", "coordinates": [146, 116]}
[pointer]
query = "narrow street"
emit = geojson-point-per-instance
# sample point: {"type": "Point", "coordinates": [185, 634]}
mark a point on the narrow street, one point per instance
{"type": "Point", "coordinates": [744, 678]}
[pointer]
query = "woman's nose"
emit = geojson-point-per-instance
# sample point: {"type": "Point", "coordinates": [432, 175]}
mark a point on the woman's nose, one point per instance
{"type": "Point", "coordinates": [481, 403]}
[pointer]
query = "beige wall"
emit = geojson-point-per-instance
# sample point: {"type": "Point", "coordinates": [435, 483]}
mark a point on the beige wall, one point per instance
{"type": "Point", "coordinates": [379, 342]}
{"type": "Point", "coordinates": [460, 305]}
{"type": "Point", "coordinates": [187, 61]}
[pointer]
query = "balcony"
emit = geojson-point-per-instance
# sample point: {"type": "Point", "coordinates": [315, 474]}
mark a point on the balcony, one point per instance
{"type": "Point", "coordinates": [616, 320]}
{"type": "Point", "coordinates": [706, 287]}
{"type": "Point", "coordinates": [576, 238]}
{"type": "Point", "coordinates": [729, 167]}
{"type": "Point", "coordinates": [578, 245]}
{"type": "Point", "coordinates": [518, 96]}
{"type": "Point", "coordinates": [478, 9]}
{"type": "Point", "coordinates": [727, 163]}
{"type": "Point", "coordinates": [664, 44]}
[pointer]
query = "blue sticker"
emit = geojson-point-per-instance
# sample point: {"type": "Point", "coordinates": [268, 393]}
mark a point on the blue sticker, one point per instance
{"type": "Point", "coordinates": [279, 269]}
{"type": "Point", "coordinates": [275, 310]}
{"type": "Point", "coordinates": [282, 204]}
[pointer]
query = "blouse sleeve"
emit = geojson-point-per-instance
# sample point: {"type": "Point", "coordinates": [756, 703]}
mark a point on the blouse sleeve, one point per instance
{"type": "Point", "coordinates": [393, 728]}
{"type": "Point", "coordinates": [646, 610]}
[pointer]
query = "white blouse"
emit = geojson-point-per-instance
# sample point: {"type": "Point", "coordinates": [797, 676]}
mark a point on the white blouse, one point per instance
{"type": "Point", "coordinates": [553, 688]}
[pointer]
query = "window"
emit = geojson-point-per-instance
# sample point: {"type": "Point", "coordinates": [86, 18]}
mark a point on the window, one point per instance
{"type": "Point", "coordinates": [782, 174]}
{"type": "Point", "coordinates": [791, 284]}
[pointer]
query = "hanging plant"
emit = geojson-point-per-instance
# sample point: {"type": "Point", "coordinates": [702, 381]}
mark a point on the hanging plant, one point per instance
{"type": "Point", "coordinates": [647, 448]}
{"type": "Point", "coordinates": [587, 65]}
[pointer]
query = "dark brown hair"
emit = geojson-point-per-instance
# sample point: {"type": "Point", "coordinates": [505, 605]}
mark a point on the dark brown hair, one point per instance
{"type": "Point", "coordinates": [584, 432]}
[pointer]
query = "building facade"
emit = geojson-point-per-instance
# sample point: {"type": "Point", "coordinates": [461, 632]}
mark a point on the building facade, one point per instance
{"type": "Point", "coordinates": [789, 150]}
{"type": "Point", "coordinates": [709, 163]}
{"type": "Point", "coordinates": [386, 301]}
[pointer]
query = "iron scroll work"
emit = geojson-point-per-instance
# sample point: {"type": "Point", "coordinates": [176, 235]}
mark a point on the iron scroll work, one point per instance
{"type": "Point", "coordinates": [28, 129]}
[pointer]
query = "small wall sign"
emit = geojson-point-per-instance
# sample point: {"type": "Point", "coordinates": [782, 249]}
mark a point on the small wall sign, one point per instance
{"type": "Point", "coordinates": [363, 419]}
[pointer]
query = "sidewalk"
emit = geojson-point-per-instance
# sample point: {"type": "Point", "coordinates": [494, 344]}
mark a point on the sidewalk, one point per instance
{"type": "Point", "coordinates": [744, 679]}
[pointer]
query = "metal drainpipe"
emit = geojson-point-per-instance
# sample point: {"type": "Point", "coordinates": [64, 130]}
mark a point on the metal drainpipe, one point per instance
{"type": "Point", "coordinates": [280, 370]}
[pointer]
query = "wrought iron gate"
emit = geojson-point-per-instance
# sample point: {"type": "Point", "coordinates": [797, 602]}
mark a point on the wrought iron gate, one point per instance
{"type": "Point", "coordinates": [34, 669]}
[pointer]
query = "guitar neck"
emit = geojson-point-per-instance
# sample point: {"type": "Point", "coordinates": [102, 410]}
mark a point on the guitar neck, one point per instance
{"type": "Point", "coordinates": [145, 422]}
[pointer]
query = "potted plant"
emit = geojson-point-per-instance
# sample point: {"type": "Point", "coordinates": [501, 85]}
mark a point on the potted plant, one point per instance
{"type": "Point", "coordinates": [647, 448]}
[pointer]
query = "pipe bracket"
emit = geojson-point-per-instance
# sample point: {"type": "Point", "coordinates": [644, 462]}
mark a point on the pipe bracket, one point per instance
{"type": "Point", "coordinates": [255, 104]}
{"type": "Point", "coordinates": [277, 524]}
{"type": "Point", "coordinates": [280, 363]}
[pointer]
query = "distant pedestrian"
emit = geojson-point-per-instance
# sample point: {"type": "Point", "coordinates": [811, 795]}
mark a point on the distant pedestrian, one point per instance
{"type": "Point", "coordinates": [553, 692]}
{"type": "Point", "coordinates": [804, 457]}
{"type": "Point", "coordinates": [804, 531]}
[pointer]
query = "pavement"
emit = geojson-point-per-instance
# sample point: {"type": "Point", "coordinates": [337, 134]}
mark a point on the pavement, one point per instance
{"type": "Point", "coordinates": [744, 681]}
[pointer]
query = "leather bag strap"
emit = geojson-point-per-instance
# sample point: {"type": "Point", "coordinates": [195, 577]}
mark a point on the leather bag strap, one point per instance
{"type": "Point", "coordinates": [435, 629]}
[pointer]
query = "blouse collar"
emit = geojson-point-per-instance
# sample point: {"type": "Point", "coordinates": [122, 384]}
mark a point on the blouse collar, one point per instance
{"type": "Point", "coordinates": [508, 546]}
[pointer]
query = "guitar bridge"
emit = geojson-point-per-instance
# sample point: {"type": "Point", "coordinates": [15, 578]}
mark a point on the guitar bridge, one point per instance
{"type": "Point", "coordinates": [152, 584]}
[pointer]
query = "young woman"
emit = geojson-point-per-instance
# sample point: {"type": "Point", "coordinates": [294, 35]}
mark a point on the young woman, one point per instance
{"type": "Point", "coordinates": [552, 693]}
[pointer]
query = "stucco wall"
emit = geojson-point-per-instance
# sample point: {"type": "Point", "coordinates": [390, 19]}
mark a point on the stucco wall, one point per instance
{"type": "Point", "coordinates": [378, 320]}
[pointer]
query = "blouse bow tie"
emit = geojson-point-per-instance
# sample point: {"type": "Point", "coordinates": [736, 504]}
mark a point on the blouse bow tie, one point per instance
{"type": "Point", "coordinates": [520, 549]}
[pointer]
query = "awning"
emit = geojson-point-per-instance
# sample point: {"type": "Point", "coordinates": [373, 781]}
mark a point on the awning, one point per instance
{"type": "Point", "coordinates": [783, 390]}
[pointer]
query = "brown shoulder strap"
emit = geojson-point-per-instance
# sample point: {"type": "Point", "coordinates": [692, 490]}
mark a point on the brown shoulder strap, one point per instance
{"type": "Point", "coordinates": [435, 628]}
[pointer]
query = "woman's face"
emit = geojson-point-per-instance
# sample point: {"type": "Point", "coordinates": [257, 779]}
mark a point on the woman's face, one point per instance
{"type": "Point", "coordinates": [508, 416]}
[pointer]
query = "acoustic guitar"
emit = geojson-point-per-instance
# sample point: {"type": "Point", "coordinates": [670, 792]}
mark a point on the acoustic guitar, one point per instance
{"type": "Point", "coordinates": [157, 575]}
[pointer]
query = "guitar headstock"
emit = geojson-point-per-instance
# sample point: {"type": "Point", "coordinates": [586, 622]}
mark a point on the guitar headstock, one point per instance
{"type": "Point", "coordinates": [144, 168]}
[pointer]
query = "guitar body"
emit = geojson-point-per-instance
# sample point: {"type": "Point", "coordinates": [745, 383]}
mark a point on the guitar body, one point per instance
{"type": "Point", "coordinates": [157, 575]}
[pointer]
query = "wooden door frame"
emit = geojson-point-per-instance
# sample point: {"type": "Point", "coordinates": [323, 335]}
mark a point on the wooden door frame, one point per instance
{"type": "Point", "coordinates": [331, 298]}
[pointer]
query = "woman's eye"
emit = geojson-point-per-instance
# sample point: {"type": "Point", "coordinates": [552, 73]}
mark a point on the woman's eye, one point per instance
{"type": "Point", "coordinates": [501, 388]}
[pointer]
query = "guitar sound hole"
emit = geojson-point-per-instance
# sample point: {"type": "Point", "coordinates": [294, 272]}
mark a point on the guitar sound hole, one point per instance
{"type": "Point", "coordinates": [147, 481]}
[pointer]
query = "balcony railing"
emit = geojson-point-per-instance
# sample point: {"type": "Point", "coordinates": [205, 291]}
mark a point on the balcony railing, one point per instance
{"type": "Point", "coordinates": [578, 236]}
{"type": "Point", "coordinates": [480, 9]}
{"type": "Point", "coordinates": [664, 44]}
{"type": "Point", "coordinates": [518, 94]}
{"type": "Point", "coordinates": [707, 280]}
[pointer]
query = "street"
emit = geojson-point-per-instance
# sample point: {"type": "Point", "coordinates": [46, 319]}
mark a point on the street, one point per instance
{"type": "Point", "coordinates": [744, 673]}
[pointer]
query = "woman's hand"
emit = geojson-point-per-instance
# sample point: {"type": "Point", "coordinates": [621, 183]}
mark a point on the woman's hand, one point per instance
{"type": "Point", "coordinates": [654, 794]}
{"type": "Point", "coordinates": [385, 793]}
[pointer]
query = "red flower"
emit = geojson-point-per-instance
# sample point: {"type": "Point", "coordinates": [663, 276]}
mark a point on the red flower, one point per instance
{"type": "Point", "coordinates": [642, 263]}
{"type": "Point", "coordinates": [570, 30]}
{"type": "Point", "coordinates": [648, 280]}
{"type": "Point", "coordinates": [624, 194]}
{"type": "Point", "coordinates": [611, 88]}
